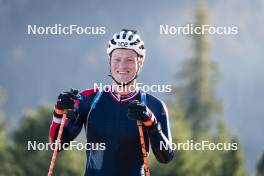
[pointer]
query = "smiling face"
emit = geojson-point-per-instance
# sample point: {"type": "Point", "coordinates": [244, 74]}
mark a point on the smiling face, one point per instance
{"type": "Point", "coordinates": [124, 64]}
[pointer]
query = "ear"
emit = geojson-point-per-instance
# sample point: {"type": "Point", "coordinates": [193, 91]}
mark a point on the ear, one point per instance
{"type": "Point", "coordinates": [141, 62]}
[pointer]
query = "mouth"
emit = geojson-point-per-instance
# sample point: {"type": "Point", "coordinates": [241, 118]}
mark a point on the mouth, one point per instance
{"type": "Point", "coordinates": [123, 72]}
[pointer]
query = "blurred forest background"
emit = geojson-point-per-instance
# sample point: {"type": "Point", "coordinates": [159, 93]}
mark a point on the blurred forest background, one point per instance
{"type": "Point", "coordinates": [218, 92]}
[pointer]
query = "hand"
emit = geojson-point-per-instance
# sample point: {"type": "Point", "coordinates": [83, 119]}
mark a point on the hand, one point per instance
{"type": "Point", "coordinates": [139, 111]}
{"type": "Point", "coordinates": [65, 101]}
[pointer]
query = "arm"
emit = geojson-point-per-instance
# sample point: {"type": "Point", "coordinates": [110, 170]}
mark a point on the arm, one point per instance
{"type": "Point", "coordinates": [156, 123]}
{"type": "Point", "coordinates": [160, 136]}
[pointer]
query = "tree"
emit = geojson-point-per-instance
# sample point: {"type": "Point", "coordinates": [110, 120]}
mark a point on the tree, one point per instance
{"type": "Point", "coordinates": [2, 139]}
{"type": "Point", "coordinates": [199, 76]}
{"type": "Point", "coordinates": [195, 114]}
{"type": "Point", "coordinates": [260, 166]}
{"type": "Point", "coordinates": [2, 132]}
{"type": "Point", "coordinates": [35, 127]}
{"type": "Point", "coordinates": [233, 162]}
{"type": "Point", "coordinates": [183, 160]}
{"type": "Point", "coordinates": [6, 162]}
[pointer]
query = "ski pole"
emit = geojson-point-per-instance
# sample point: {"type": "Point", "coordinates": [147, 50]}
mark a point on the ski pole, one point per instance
{"type": "Point", "coordinates": [143, 148]}
{"type": "Point", "coordinates": [55, 152]}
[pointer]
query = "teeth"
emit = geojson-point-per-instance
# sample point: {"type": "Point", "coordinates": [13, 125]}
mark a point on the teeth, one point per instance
{"type": "Point", "coordinates": [122, 72]}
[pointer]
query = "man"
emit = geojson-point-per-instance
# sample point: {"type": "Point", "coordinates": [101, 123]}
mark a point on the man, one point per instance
{"type": "Point", "coordinates": [112, 116]}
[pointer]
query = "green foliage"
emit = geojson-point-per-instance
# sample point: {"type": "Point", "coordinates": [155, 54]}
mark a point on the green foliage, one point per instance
{"type": "Point", "coordinates": [6, 161]}
{"type": "Point", "coordinates": [260, 166]}
{"type": "Point", "coordinates": [199, 76]}
{"type": "Point", "coordinates": [35, 127]}
{"type": "Point", "coordinates": [2, 134]}
{"type": "Point", "coordinates": [233, 162]}
{"type": "Point", "coordinates": [195, 115]}
{"type": "Point", "coordinates": [17, 160]}
{"type": "Point", "coordinates": [2, 131]}
{"type": "Point", "coordinates": [180, 166]}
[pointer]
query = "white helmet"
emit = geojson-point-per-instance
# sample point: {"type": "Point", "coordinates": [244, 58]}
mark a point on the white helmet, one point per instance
{"type": "Point", "coordinates": [127, 39]}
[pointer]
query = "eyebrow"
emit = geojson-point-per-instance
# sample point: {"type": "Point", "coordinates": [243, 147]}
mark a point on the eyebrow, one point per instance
{"type": "Point", "coordinates": [129, 57]}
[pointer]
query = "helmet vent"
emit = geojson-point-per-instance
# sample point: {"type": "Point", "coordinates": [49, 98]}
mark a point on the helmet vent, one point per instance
{"type": "Point", "coordinates": [135, 42]}
{"type": "Point", "coordinates": [113, 42]}
{"type": "Point", "coordinates": [130, 37]}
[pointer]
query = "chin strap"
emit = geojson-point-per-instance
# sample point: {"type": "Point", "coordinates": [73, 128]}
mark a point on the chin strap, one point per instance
{"type": "Point", "coordinates": [123, 84]}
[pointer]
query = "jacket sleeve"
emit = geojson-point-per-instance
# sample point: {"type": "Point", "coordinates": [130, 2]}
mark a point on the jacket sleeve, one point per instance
{"type": "Point", "coordinates": [160, 136]}
{"type": "Point", "coordinates": [72, 126]}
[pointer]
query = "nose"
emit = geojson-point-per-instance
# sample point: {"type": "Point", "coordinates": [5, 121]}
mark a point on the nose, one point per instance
{"type": "Point", "coordinates": [122, 64]}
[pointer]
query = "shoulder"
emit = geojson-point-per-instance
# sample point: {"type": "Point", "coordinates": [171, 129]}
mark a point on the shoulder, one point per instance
{"type": "Point", "coordinates": [88, 92]}
{"type": "Point", "coordinates": [156, 103]}
{"type": "Point", "coordinates": [85, 96]}
{"type": "Point", "coordinates": [154, 100]}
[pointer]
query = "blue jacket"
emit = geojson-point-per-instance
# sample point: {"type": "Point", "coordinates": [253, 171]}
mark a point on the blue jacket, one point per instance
{"type": "Point", "coordinates": [108, 124]}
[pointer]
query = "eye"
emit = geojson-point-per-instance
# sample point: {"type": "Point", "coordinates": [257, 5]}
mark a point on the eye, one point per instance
{"type": "Point", "coordinates": [130, 60]}
{"type": "Point", "coordinates": [116, 59]}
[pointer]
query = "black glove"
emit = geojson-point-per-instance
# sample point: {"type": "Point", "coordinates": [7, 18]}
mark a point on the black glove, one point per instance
{"type": "Point", "coordinates": [139, 111]}
{"type": "Point", "coordinates": [65, 101]}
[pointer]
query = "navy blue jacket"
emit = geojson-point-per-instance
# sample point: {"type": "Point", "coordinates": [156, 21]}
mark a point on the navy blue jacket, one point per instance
{"type": "Point", "coordinates": [108, 124]}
